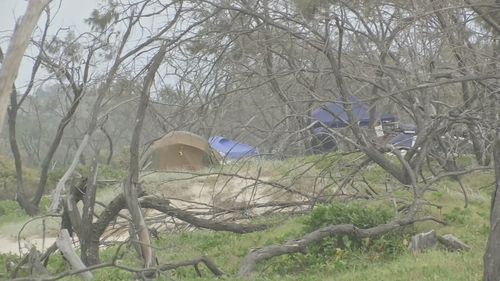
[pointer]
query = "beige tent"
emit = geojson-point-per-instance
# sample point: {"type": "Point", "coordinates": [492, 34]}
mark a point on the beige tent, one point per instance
{"type": "Point", "coordinates": [178, 151]}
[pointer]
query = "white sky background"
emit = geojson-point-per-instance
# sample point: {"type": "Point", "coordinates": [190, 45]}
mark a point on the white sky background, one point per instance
{"type": "Point", "coordinates": [65, 13]}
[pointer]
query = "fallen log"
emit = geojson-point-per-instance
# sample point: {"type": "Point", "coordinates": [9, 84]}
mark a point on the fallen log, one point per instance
{"type": "Point", "coordinates": [300, 245]}
{"type": "Point", "coordinates": [163, 206]}
{"type": "Point", "coordinates": [194, 262]}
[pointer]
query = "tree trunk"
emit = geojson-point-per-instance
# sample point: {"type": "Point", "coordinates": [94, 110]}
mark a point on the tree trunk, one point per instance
{"type": "Point", "coordinates": [130, 186]}
{"type": "Point", "coordinates": [110, 142]}
{"type": "Point", "coordinates": [86, 233]}
{"type": "Point", "coordinates": [492, 256]}
{"type": "Point", "coordinates": [44, 173]}
{"type": "Point", "coordinates": [17, 45]}
{"type": "Point", "coordinates": [21, 197]}
{"type": "Point", "coordinates": [491, 270]}
{"type": "Point", "coordinates": [64, 244]}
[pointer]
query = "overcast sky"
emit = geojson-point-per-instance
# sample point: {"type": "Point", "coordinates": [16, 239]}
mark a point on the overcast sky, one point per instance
{"type": "Point", "coordinates": [69, 12]}
{"type": "Point", "coordinates": [65, 13]}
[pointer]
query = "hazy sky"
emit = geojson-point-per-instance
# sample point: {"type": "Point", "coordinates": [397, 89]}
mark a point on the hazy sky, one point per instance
{"type": "Point", "coordinates": [64, 13]}
{"type": "Point", "coordinates": [69, 12]}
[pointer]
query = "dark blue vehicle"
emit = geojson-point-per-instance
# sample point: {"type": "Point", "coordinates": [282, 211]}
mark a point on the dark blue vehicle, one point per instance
{"type": "Point", "coordinates": [333, 114]}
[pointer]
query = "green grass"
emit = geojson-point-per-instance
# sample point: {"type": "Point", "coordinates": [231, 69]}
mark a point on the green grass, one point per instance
{"type": "Point", "coordinates": [470, 225]}
{"type": "Point", "coordinates": [434, 265]}
{"type": "Point", "coordinates": [227, 250]}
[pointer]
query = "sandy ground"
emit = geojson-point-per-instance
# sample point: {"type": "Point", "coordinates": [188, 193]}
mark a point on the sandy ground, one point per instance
{"type": "Point", "coordinates": [183, 191]}
{"type": "Point", "coordinates": [220, 191]}
{"type": "Point", "coordinates": [8, 245]}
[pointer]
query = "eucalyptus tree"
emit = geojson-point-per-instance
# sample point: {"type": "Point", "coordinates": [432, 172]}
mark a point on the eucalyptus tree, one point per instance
{"type": "Point", "coordinates": [17, 45]}
{"type": "Point", "coordinates": [169, 23]}
{"type": "Point", "coordinates": [489, 13]}
{"type": "Point", "coordinates": [68, 60]}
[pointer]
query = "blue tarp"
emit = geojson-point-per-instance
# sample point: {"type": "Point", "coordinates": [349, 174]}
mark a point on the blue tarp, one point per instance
{"type": "Point", "coordinates": [403, 140]}
{"type": "Point", "coordinates": [334, 116]}
{"type": "Point", "coordinates": [231, 149]}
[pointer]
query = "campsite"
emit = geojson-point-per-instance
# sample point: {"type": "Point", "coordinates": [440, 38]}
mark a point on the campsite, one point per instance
{"type": "Point", "coordinates": [249, 140]}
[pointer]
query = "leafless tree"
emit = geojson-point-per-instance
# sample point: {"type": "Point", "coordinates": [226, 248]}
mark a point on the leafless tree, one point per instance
{"type": "Point", "coordinates": [259, 68]}
{"type": "Point", "coordinates": [490, 15]}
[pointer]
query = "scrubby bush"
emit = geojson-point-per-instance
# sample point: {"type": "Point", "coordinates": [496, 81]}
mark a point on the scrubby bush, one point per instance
{"type": "Point", "coordinates": [8, 207]}
{"type": "Point", "coordinates": [354, 213]}
{"type": "Point", "coordinates": [342, 252]}
{"type": "Point", "coordinates": [362, 216]}
{"type": "Point", "coordinates": [7, 264]}
{"type": "Point", "coordinates": [10, 211]}
{"type": "Point", "coordinates": [8, 179]}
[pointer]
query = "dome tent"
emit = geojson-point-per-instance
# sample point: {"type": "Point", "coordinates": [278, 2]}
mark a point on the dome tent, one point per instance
{"type": "Point", "coordinates": [178, 151]}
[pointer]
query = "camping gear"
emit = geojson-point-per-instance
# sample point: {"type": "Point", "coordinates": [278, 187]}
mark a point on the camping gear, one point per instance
{"type": "Point", "coordinates": [404, 140]}
{"type": "Point", "coordinates": [323, 141]}
{"type": "Point", "coordinates": [333, 114]}
{"type": "Point", "coordinates": [178, 151]}
{"type": "Point", "coordinates": [230, 149]}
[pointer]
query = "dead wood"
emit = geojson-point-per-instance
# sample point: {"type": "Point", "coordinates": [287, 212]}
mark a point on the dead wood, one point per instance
{"type": "Point", "coordinates": [113, 209]}
{"type": "Point", "coordinates": [33, 260]}
{"type": "Point", "coordinates": [45, 256]}
{"type": "Point", "coordinates": [140, 271]}
{"type": "Point", "coordinates": [131, 188]}
{"type": "Point", "coordinates": [194, 262]}
{"type": "Point", "coordinates": [163, 206]}
{"type": "Point", "coordinates": [300, 245]}
{"type": "Point", "coordinates": [109, 214]}
{"type": "Point", "coordinates": [64, 244]}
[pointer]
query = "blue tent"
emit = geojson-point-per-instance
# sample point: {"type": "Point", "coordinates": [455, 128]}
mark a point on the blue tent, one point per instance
{"type": "Point", "coordinates": [231, 149]}
{"type": "Point", "coordinates": [334, 116]}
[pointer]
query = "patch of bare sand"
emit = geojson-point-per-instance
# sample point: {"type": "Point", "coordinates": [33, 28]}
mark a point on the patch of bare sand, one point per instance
{"type": "Point", "coordinates": [212, 190]}
{"type": "Point", "coordinates": [202, 192]}
{"type": "Point", "coordinates": [185, 191]}
{"type": "Point", "coordinates": [11, 246]}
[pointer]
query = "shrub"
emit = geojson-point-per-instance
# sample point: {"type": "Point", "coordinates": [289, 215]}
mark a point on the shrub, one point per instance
{"type": "Point", "coordinates": [8, 207]}
{"type": "Point", "coordinates": [8, 179]}
{"type": "Point", "coordinates": [457, 216]}
{"type": "Point", "coordinates": [10, 211]}
{"type": "Point", "coordinates": [111, 173]}
{"type": "Point", "coordinates": [361, 216]}
{"type": "Point", "coordinates": [354, 213]}
{"type": "Point", "coordinates": [7, 263]}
